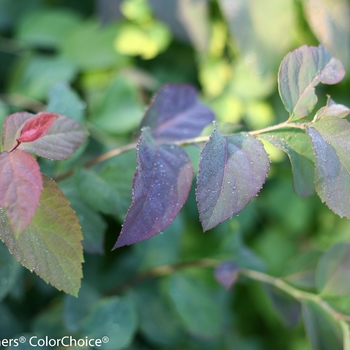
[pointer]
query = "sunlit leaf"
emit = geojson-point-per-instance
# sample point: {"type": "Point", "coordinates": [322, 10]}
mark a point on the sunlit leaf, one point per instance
{"type": "Point", "coordinates": [20, 188]}
{"type": "Point", "coordinates": [147, 41]}
{"type": "Point", "coordinates": [261, 44]}
{"type": "Point", "coordinates": [300, 71]}
{"type": "Point", "coordinates": [329, 21]}
{"type": "Point", "coordinates": [331, 142]}
{"type": "Point", "coordinates": [114, 318]}
{"type": "Point", "coordinates": [50, 246]}
{"type": "Point", "coordinates": [333, 271]}
{"type": "Point", "coordinates": [332, 109]}
{"type": "Point", "coordinates": [176, 114]}
{"type": "Point", "coordinates": [160, 188]}
{"type": "Point", "coordinates": [60, 142]}
{"type": "Point", "coordinates": [232, 170]}
{"type": "Point", "coordinates": [227, 273]}
{"type": "Point", "coordinates": [322, 330]}
{"type": "Point", "coordinates": [297, 145]}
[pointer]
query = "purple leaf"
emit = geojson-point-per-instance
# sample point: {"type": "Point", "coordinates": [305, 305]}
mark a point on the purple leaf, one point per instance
{"type": "Point", "coordinates": [60, 142]}
{"type": "Point", "coordinates": [330, 138]}
{"type": "Point", "coordinates": [20, 188]}
{"type": "Point", "coordinates": [12, 127]}
{"type": "Point", "coordinates": [232, 170]}
{"type": "Point", "coordinates": [299, 73]}
{"type": "Point", "coordinates": [176, 114]}
{"type": "Point", "coordinates": [160, 188]}
{"type": "Point", "coordinates": [227, 273]}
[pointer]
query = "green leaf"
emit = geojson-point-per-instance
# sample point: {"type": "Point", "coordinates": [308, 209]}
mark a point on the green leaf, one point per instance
{"type": "Point", "coordinates": [64, 100]}
{"type": "Point", "coordinates": [90, 47]}
{"type": "Point", "coordinates": [35, 75]}
{"type": "Point", "coordinates": [146, 41]}
{"type": "Point", "coordinates": [300, 72]}
{"type": "Point", "coordinates": [300, 271]}
{"type": "Point", "coordinates": [75, 310]}
{"type": "Point", "coordinates": [108, 190]}
{"type": "Point", "coordinates": [113, 317]}
{"type": "Point", "coordinates": [120, 110]}
{"type": "Point", "coordinates": [50, 246]}
{"type": "Point", "coordinates": [255, 33]}
{"type": "Point", "coordinates": [8, 272]}
{"type": "Point", "coordinates": [47, 28]}
{"type": "Point", "coordinates": [297, 145]}
{"type": "Point", "coordinates": [194, 304]}
{"type": "Point", "coordinates": [329, 21]}
{"type": "Point", "coordinates": [93, 225]}
{"type": "Point", "coordinates": [333, 271]}
{"type": "Point", "coordinates": [330, 139]}
{"type": "Point", "coordinates": [322, 331]}
{"type": "Point", "coordinates": [157, 322]}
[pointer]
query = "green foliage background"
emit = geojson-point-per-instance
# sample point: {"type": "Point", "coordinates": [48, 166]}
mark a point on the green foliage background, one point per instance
{"type": "Point", "coordinates": [99, 63]}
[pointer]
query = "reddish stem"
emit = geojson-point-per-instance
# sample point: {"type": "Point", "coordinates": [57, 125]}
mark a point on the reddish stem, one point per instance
{"type": "Point", "coordinates": [13, 148]}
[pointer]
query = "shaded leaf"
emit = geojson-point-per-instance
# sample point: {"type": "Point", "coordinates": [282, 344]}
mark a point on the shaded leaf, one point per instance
{"type": "Point", "coordinates": [75, 310]}
{"type": "Point", "coordinates": [37, 127]}
{"type": "Point", "coordinates": [101, 191]}
{"type": "Point", "coordinates": [333, 271]}
{"type": "Point", "coordinates": [8, 272]}
{"type": "Point", "coordinates": [331, 143]}
{"type": "Point", "coordinates": [299, 73]}
{"type": "Point", "coordinates": [12, 127]}
{"type": "Point", "coordinates": [322, 331]}
{"type": "Point", "coordinates": [160, 188]}
{"type": "Point", "coordinates": [35, 75]}
{"type": "Point", "coordinates": [120, 109]}
{"type": "Point", "coordinates": [329, 21]}
{"type": "Point", "coordinates": [90, 47]}
{"type": "Point", "coordinates": [300, 271]}
{"type": "Point", "coordinates": [227, 273]}
{"type": "Point", "coordinates": [193, 302]}
{"type": "Point", "coordinates": [20, 188]}
{"type": "Point", "coordinates": [232, 170]}
{"type": "Point", "coordinates": [92, 223]}
{"type": "Point", "coordinates": [60, 142]}
{"type": "Point", "coordinates": [332, 109]}
{"type": "Point", "coordinates": [287, 308]}
{"type": "Point", "coordinates": [297, 145]}
{"type": "Point", "coordinates": [65, 101]}
{"type": "Point", "coordinates": [50, 246]}
{"type": "Point", "coordinates": [176, 114]}
{"type": "Point", "coordinates": [47, 28]}
{"type": "Point", "coordinates": [164, 329]}
{"type": "Point", "coordinates": [113, 317]}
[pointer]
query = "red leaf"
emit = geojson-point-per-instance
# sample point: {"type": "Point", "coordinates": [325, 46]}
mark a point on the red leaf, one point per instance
{"type": "Point", "coordinates": [20, 187]}
{"type": "Point", "coordinates": [37, 127]}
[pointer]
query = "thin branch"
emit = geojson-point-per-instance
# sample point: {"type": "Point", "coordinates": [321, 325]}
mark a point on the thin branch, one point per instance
{"type": "Point", "coordinates": [196, 140]}
{"type": "Point", "coordinates": [297, 294]}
